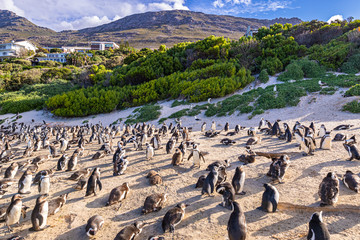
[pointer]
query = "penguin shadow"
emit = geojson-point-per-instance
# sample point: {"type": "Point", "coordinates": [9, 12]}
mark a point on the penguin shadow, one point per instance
{"type": "Point", "coordinates": [344, 223]}
{"type": "Point", "coordinates": [65, 191]}
{"type": "Point", "coordinates": [170, 177]}
{"type": "Point", "coordinates": [142, 182]}
{"type": "Point", "coordinates": [186, 189]}
{"type": "Point", "coordinates": [75, 233]}
{"type": "Point", "coordinates": [130, 216]}
{"type": "Point", "coordinates": [98, 202]}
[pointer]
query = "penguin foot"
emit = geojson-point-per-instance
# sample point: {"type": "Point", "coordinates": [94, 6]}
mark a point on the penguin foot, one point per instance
{"type": "Point", "coordinates": [323, 204]}
{"type": "Point", "coordinates": [241, 193]}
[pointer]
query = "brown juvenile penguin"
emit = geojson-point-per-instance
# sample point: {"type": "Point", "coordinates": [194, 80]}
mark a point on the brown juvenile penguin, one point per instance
{"type": "Point", "coordinates": [118, 194]}
{"type": "Point", "coordinates": [154, 178]}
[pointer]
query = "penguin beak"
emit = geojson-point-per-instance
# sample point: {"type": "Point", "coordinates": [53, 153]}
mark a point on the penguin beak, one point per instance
{"type": "Point", "coordinates": [187, 204]}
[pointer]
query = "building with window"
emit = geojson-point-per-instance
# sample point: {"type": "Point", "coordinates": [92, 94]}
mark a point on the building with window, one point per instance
{"type": "Point", "coordinates": [57, 57]}
{"type": "Point", "coordinates": [103, 45]}
{"type": "Point", "coordinates": [15, 49]}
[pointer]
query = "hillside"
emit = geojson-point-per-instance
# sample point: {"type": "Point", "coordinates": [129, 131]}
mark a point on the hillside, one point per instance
{"type": "Point", "coordinates": [13, 26]}
{"type": "Point", "coordinates": [141, 30]}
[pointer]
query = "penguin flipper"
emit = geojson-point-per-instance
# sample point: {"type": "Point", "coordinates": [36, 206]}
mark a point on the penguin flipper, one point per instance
{"type": "Point", "coordinates": [274, 203]}
{"type": "Point", "coordinates": [190, 156]}
{"type": "Point", "coordinates": [99, 183]}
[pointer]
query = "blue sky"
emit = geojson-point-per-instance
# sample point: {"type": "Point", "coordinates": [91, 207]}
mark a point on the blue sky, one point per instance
{"type": "Point", "coordinates": [77, 14]}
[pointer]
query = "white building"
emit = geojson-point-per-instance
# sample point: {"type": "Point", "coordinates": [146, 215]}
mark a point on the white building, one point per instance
{"type": "Point", "coordinates": [103, 45]}
{"type": "Point", "coordinates": [13, 49]}
{"type": "Point", "coordinates": [57, 57]}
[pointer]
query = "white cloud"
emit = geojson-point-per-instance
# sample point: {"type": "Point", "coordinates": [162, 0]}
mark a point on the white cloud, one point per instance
{"type": "Point", "coordinates": [335, 17]}
{"type": "Point", "coordinates": [10, 5]}
{"type": "Point", "coordinates": [248, 6]}
{"type": "Point", "coordinates": [78, 14]}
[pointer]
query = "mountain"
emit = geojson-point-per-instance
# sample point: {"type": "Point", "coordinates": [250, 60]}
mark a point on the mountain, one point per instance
{"type": "Point", "coordinates": [148, 29]}
{"type": "Point", "coordinates": [13, 27]}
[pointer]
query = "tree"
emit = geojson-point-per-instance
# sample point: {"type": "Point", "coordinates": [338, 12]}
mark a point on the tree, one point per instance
{"type": "Point", "coordinates": [56, 50]}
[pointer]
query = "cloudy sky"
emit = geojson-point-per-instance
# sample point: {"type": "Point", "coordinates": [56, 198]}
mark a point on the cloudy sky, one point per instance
{"type": "Point", "coordinates": [76, 14]}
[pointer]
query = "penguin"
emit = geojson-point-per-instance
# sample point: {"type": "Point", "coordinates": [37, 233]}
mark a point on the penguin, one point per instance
{"type": "Point", "coordinates": [196, 155]}
{"type": "Point", "coordinates": [236, 226]}
{"type": "Point", "coordinates": [62, 162]}
{"type": "Point", "coordinates": [226, 127]}
{"type": "Point", "coordinates": [79, 174]}
{"type": "Point", "coordinates": [177, 158]}
{"type": "Point", "coordinates": [307, 144]}
{"type": "Point", "coordinates": [329, 190]}
{"type": "Point", "coordinates": [262, 123]}
{"type": "Point", "coordinates": [288, 134]}
{"type": "Point", "coordinates": [270, 198]}
{"type": "Point", "coordinates": [228, 194]}
{"type": "Point", "coordinates": [16, 238]}
{"type": "Point", "coordinates": [72, 163]}
{"type": "Point", "coordinates": [156, 238]}
{"type": "Point", "coordinates": [11, 170]}
{"type": "Point", "coordinates": [149, 152]}
{"type": "Point", "coordinates": [40, 159]}
{"type": "Point", "coordinates": [210, 181]}
{"type": "Point", "coordinates": [63, 145]}
{"type": "Point", "coordinates": [173, 217]}
{"type": "Point", "coordinates": [238, 181]}
{"type": "Point", "coordinates": [222, 175]}
{"type": "Point", "coordinates": [223, 163]}
{"type": "Point", "coordinates": [253, 140]}
{"type": "Point", "coordinates": [213, 126]}
{"type": "Point", "coordinates": [156, 142]}
{"type": "Point", "coordinates": [93, 225]}
{"type": "Point", "coordinates": [121, 165]}
{"type": "Point", "coordinates": [44, 184]}
{"type": "Point", "coordinates": [52, 150]}
{"type": "Point", "coordinates": [340, 137]}
{"type": "Point", "coordinates": [81, 184]}
{"type": "Point", "coordinates": [154, 177]}
{"type": "Point", "coordinates": [278, 168]}
{"type": "Point", "coordinates": [343, 127]}
{"type": "Point", "coordinates": [154, 203]}
{"type": "Point", "coordinates": [57, 203]}
{"type": "Point", "coordinates": [276, 131]}
{"type": "Point", "coordinates": [227, 141]}
{"type": "Point", "coordinates": [203, 127]}
{"type": "Point", "coordinates": [25, 182]}
{"type": "Point", "coordinates": [352, 181]}
{"type": "Point", "coordinates": [317, 229]}
{"type": "Point", "coordinates": [322, 131]}
{"type": "Point", "coordinates": [118, 194]}
{"type": "Point", "coordinates": [251, 132]}
{"type": "Point", "coordinates": [200, 181]}
{"type": "Point", "coordinates": [130, 232]}
{"type": "Point", "coordinates": [183, 148]}
{"type": "Point", "coordinates": [40, 213]}
{"type": "Point", "coordinates": [249, 157]}
{"type": "Point", "coordinates": [325, 142]}
{"type": "Point", "coordinates": [352, 151]}
{"type": "Point", "coordinates": [93, 182]}
{"type": "Point", "coordinates": [13, 212]}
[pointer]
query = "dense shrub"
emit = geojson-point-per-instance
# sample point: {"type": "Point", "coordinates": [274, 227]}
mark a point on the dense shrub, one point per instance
{"type": "Point", "coordinates": [264, 76]}
{"type": "Point", "coordinates": [18, 79]}
{"type": "Point", "coordinates": [353, 91]}
{"type": "Point", "coordinates": [352, 65]}
{"type": "Point", "coordinates": [144, 114]}
{"type": "Point", "coordinates": [353, 107]}
{"type": "Point", "coordinates": [302, 68]}
{"type": "Point", "coordinates": [293, 72]}
{"type": "Point", "coordinates": [272, 65]}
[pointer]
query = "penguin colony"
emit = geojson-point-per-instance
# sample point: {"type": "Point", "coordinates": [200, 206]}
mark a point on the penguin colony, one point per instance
{"type": "Point", "coordinates": [47, 167]}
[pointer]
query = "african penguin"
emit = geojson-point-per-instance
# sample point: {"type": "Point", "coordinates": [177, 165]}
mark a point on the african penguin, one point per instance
{"type": "Point", "coordinates": [236, 227]}
{"type": "Point", "coordinates": [239, 180]}
{"type": "Point", "coordinates": [94, 224]}
{"type": "Point", "coordinates": [93, 182]}
{"type": "Point", "coordinates": [173, 217]}
{"type": "Point", "coordinates": [228, 194]}
{"type": "Point", "coordinates": [177, 157]}
{"type": "Point", "coordinates": [154, 177]}
{"type": "Point", "coordinates": [40, 213]}
{"type": "Point", "coordinates": [130, 232]}
{"type": "Point", "coordinates": [118, 194]}
{"type": "Point", "coordinates": [317, 229]}
{"type": "Point", "coordinates": [57, 203]}
{"type": "Point", "coordinates": [352, 181]}
{"type": "Point", "coordinates": [325, 142]}
{"type": "Point", "coordinates": [13, 212]}
{"type": "Point", "coordinates": [11, 170]}
{"type": "Point", "coordinates": [329, 190]}
{"type": "Point", "coordinates": [210, 181]}
{"type": "Point", "coordinates": [154, 202]}
{"type": "Point", "coordinates": [25, 182]}
{"type": "Point", "coordinates": [270, 198]}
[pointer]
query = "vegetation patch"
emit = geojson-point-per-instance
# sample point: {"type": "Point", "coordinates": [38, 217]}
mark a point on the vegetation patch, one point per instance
{"type": "Point", "coordinates": [144, 114]}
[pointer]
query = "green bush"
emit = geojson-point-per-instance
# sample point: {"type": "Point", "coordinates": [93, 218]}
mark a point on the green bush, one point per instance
{"type": "Point", "coordinates": [264, 76]}
{"type": "Point", "coordinates": [272, 65]}
{"type": "Point", "coordinates": [352, 65]}
{"type": "Point", "coordinates": [353, 107]}
{"type": "Point", "coordinates": [353, 91]}
{"type": "Point", "coordinates": [144, 114]}
{"type": "Point", "coordinates": [293, 72]}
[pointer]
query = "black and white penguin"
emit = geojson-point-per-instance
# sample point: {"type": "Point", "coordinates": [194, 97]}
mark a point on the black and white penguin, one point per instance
{"type": "Point", "coordinates": [156, 238]}
{"type": "Point", "coordinates": [352, 181]}
{"type": "Point", "coordinates": [72, 163]}
{"type": "Point", "coordinates": [197, 155]}
{"type": "Point", "coordinates": [62, 162]}
{"type": "Point", "coordinates": [213, 126]}
{"type": "Point", "coordinates": [130, 232]}
{"type": "Point", "coordinates": [317, 229]}
{"type": "Point", "coordinates": [288, 134]}
{"type": "Point", "coordinates": [11, 170]}
{"type": "Point", "coordinates": [25, 182]}
{"type": "Point", "coordinates": [94, 182]}
{"type": "Point", "coordinates": [262, 124]}
{"type": "Point", "coordinates": [238, 181]}
{"type": "Point", "coordinates": [13, 212]}
{"type": "Point", "coordinates": [307, 144]}
{"type": "Point", "coordinates": [221, 163]}
{"type": "Point", "coordinates": [44, 184]}
{"type": "Point", "coordinates": [340, 137]}
{"type": "Point", "coordinates": [227, 141]}
{"type": "Point", "coordinates": [177, 158]}
{"type": "Point", "coordinates": [94, 224]}
{"type": "Point", "coordinates": [173, 217]}
{"type": "Point", "coordinates": [210, 181]}
{"type": "Point", "coordinates": [322, 131]}
{"type": "Point", "coordinates": [270, 198]}
{"type": "Point", "coordinates": [170, 145]}
{"type": "Point", "coordinates": [226, 127]}
{"type": "Point", "coordinates": [57, 203]}
{"type": "Point", "coordinates": [200, 181]}
{"type": "Point", "coordinates": [63, 145]}
{"type": "Point", "coordinates": [228, 194]}
{"type": "Point", "coordinates": [352, 150]}
{"type": "Point", "coordinates": [253, 140]}
{"type": "Point", "coordinates": [329, 190]}
{"type": "Point", "coordinates": [121, 165]}
{"type": "Point", "coordinates": [52, 150]}
{"type": "Point", "coordinates": [80, 173]}
{"type": "Point", "coordinates": [203, 127]}
{"type": "Point", "coordinates": [156, 142]}
{"type": "Point", "coordinates": [40, 213]}
{"type": "Point", "coordinates": [325, 142]}
{"type": "Point", "coordinates": [236, 227]}
{"type": "Point", "coordinates": [118, 194]}
{"type": "Point", "coordinates": [251, 132]}
{"type": "Point", "coordinates": [276, 131]}
{"type": "Point", "coordinates": [343, 127]}
{"type": "Point", "coordinates": [154, 203]}
{"type": "Point", "coordinates": [149, 152]}
{"type": "Point", "coordinates": [278, 168]}
{"type": "Point", "coordinates": [154, 178]}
